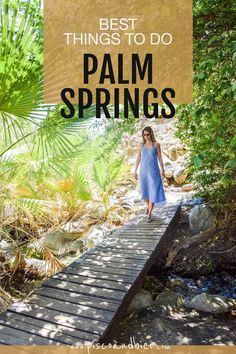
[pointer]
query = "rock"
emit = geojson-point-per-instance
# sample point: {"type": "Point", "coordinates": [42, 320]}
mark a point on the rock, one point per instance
{"type": "Point", "coordinates": [74, 228]}
{"type": "Point", "coordinates": [168, 172]}
{"type": "Point", "coordinates": [58, 242]}
{"type": "Point", "coordinates": [142, 299]}
{"type": "Point", "coordinates": [168, 301]}
{"type": "Point", "coordinates": [180, 150]}
{"type": "Point", "coordinates": [212, 303]}
{"type": "Point", "coordinates": [180, 175]}
{"type": "Point", "coordinates": [127, 205]}
{"type": "Point", "coordinates": [193, 201]}
{"type": "Point", "coordinates": [153, 284]}
{"type": "Point", "coordinates": [167, 161]}
{"type": "Point", "coordinates": [172, 153]}
{"type": "Point", "coordinates": [187, 187]}
{"type": "Point", "coordinates": [201, 218]}
{"type": "Point", "coordinates": [160, 325]}
{"type": "Point", "coordinates": [132, 196]}
{"type": "Point", "coordinates": [96, 235]}
{"type": "Point", "coordinates": [166, 182]}
{"type": "Point", "coordinates": [175, 283]}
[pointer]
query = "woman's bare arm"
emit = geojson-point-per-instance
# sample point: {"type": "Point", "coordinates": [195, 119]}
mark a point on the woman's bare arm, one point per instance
{"type": "Point", "coordinates": [137, 162]}
{"type": "Point", "coordinates": [158, 147]}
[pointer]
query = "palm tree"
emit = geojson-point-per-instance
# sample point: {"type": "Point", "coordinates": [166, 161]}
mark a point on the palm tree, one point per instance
{"type": "Point", "coordinates": [33, 136]}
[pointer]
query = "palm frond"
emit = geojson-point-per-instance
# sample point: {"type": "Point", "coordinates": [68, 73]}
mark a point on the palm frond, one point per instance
{"type": "Point", "coordinates": [34, 207]}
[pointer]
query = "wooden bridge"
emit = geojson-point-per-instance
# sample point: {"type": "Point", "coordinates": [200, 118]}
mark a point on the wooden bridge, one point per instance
{"type": "Point", "coordinates": [85, 302]}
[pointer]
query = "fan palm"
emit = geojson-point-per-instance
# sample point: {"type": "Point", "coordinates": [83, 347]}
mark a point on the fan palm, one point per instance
{"type": "Point", "coordinates": [41, 137]}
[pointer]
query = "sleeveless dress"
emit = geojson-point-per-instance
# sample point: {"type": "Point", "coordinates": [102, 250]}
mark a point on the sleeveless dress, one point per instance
{"type": "Point", "coordinates": [151, 185]}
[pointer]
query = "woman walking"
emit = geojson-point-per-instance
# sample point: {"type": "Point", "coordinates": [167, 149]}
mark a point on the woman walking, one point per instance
{"type": "Point", "coordinates": [151, 185]}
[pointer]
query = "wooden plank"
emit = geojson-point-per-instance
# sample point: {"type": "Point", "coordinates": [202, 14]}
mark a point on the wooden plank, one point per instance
{"type": "Point", "coordinates": [11, 335]}
{"type": "Point", "coordinates": [135, 242]}
{"type": "Point", "coordinates": [134, 228]}
{"type": "Point", "coordinates": [154, 224]}
{"type": "Point", "coordinates": [78, 298]}
{"type": "Point", "coordinates": [76, 279]}
{"type": "Point", "coordinates": [141, 240]}
{"type": "Point", "coordinates": [86, 289]}
{"type": "Point", "coordinates": [52, 331]}
{"type": "Point", "coordinates": [105, 264]}
{"type": "Point", "coordinates": [120, 279]}
{"type": "Point", "coordinates": [7, 339]}
{"type": "Point", "coordinates": [152, 233]}
{"type": "Point", "coordinates": [74, 309]}
{"type": "Point", "coordinates": [100, 252]}
{"type": "Point", "coordinates": [52, 316]}
{"type": "Point", "coordinates": [89, 265]}
{"type": "Point", "coordinates": [127, 243]}
{"type": "Point", "coordinates": [118, 259]}
{"type": "Point", "coordinates": [145, 229]}
{"type": "Point", "coordinates": [132, 254]}
{"type": "Point", "coordinates": [119, 248]}
{"type": "Point", "coordinates": [138, 234]}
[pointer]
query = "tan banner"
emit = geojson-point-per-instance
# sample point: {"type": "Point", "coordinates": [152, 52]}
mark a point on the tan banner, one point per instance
{"type": "Point", "coordinates": [147, 349]}
{"type": "Point", "coordinates": [117, 44]}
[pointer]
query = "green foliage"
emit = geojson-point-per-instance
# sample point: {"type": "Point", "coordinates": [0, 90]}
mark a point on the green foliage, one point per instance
{"type": "Point", "coordinates": [206, 264]}
{"type": "Point", "coordinates": [208, 125]}
{"type": "Point", "coordinates": [20, 65]}
{"type": "Point", "coordinates": [46, 161]}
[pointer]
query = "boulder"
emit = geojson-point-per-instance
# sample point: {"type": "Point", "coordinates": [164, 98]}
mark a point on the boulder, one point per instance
{"type": "Point", "coordinates": [175, 283]}
{"type": "Point", "coordinates": [96, 235]}
{"type": "Point", "coordinates": [180, 150]}
{"type": "Point", "coordinates": [75, 228]}
{"type": "Point", "coordinates": [172, 153]}
{"type": "Point", "coordinates": [168, 172]}
{"type": "Point", "coordinates": [142, 299]}
{"type": "Point", "coordinates": [168, 301]}
{"type": "Point", "coordinates": [165, 182]}
{"type": "Point", "coordinates": [187, 187]}
{"type": "Point", "coordinates": [201, 218]}
{"type": "Point", "coordinates": [161, 325]}
{"type": "Point", "coordinates": [212, 303]}
{"type": "Point", "coordinates": [131, 196]}
{"type": "Point", "coordinates": [58, 242]}
{"type": "Point", "coordinates": [180, 175]}
{"type": "Point", "coordinates": [153, 284]}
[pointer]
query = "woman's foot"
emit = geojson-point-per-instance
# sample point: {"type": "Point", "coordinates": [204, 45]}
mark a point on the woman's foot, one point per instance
{"type": "Point", "coordinates": [149, 218]}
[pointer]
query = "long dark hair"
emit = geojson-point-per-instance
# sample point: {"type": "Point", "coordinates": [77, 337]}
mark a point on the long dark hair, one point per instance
{"type": "Point", "coordinates": [150, 131]}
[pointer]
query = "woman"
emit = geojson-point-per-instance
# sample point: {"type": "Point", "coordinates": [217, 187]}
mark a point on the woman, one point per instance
{"type": "Point", "coordinates": [151, 186]}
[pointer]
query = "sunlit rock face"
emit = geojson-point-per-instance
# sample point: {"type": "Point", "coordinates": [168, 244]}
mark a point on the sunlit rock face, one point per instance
{"type": "Point", "coordinates": [212, 303]}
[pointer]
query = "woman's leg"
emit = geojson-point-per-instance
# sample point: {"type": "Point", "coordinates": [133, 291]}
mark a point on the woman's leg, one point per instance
{"type": "Point", "coordinates": [147, 202]}
{"type": "Point", "coordinates": [150, 208]}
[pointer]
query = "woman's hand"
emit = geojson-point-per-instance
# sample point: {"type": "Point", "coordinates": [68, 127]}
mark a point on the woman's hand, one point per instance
{"type": "Point", "coordinates": [136, 176]}
{"type": "Point", "coordinates": [163, 172]}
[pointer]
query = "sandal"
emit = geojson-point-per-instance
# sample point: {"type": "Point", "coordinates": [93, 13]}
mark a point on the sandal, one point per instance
{"type": "Point", "coordinates": [149, 218]}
